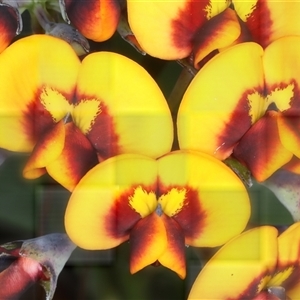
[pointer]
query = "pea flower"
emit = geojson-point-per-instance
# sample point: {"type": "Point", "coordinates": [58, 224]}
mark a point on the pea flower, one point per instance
{"type": "Point", "coordinates": [257, 264]}
{"type": "Point", "coordinates": [39, 260]}
{"type": "Point", "coordinates": [96, 20]}
{"type": "Point", "coordinates": [182, 198]}
{"type": "Point", "coordinates": [178, 29]}
{"type": "Point", "coordinates": [10, 24]}
{"type": "Point", "coordinates": [70, 115]}
{"type": "Point", "coordinates": [268, 20]}
{"type": "Point", "coordinates": [248, 108]}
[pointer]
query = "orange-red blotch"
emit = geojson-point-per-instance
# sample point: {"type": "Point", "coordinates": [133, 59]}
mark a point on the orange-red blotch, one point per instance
{"type": "Point", "coordinates": [121, 217]}
{"type": "Point", "coordinates": [95, 19]}
{"type": "Point", "coordinates": [76, 158]}
{"type": "Point", "coordinates": [261, 150]}
{"type": "Point", "coordinates": [188, 21]}
{"type": "Point", "coordinates": [260, 23]}
{"type": "Point", "coordinates": [191, 216]}
{"type": "Point", "coordinates": [219, 32]}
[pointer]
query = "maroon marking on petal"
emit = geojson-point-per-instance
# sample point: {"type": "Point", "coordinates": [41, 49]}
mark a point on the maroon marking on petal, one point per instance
{"type": "Point", "coordinates": [143, 233]}
{"type": "Point", "coordinates": [82, 11]}
{"type": "Point", "coordinates": [252, 291]}
{"type": "Point", "coordinates": [191, 217]}
{"type": "Point", "coordinates": [245, 35]}
{"type": "Point", "coordinates": [294, 101]}
{"type": "Point", "coordinates": [37, 120]}
{"type": "Point", "coordinates": [78, 153]}
{"type": "Point", "coordinates": [122, 217]}
{"type": "Point", "coordinates": [8, 26]}
{"type": "Point", "coordinates": [187, 22]}
{"type": "Point", "coordinates": [88, 15]}
{"type": "Point", "coordinates": [103, 135]}
{"type": "Point", "coordinates": [176, 245]}
{"type": "Point", "coordinates": [294, 278]}
{"type": "Point", "coordinates": [258, 140]}
{"type": "Point", "coordinates": [175, 235]}
{"type": "Point", "coordinates": [260, 23]}
{"type": "Point", "coordinates": [237, 125]}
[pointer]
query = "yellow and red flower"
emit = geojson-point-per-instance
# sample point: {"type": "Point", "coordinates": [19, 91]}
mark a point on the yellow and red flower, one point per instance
{"type": "Point", "coordinates": [9, 25]}
{"type": "Point", "coordinates": [95, 19]}
{"type": "Point", "coordinates": [72, 114]}
{"type": "Point", "coordinates": [268, 20]}
{"type": "Point", "coordinates": [175, 29]}
{"type": "Point", "coordinates": [182, 198]}
{"type": "Point", "coordinates": [248, 107]}
{"type": "Point", "coordinates": [251, 265]}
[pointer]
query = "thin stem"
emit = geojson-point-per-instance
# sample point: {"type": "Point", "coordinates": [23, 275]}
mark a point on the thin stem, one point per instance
{"type": "Point", "coordinates": [42, 17]}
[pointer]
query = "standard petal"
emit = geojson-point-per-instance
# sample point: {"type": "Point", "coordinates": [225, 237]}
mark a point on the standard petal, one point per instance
{"type": "Point", "coordinates": [281, 60]}
{"type": "Point", "coordinates": [240, 269]}
{"type": "Point", "coordinates": [269, 20]}
{"type": "Point", "coordinates": [76, 158]}
{"type": "Point", "coordinates": [223, 101]}
{"type": "Point", "coordinates": [204, 196]}
{"type": "Point", "coordinates": [166, 29]}
{"type": "Point", "coordinates": [148, 240]}
{"type": "Point", "coordinates": [120, 108]}
{"type": "Point", "coordinates": [8, 26]}
{"type": "Point", "coordinates": [95, 19]}
{"type": "Point", "coordinates": [36, 87]}
{"type": "Point", "coordinates": [261, 149]}
{"type": "Point", "coordinates": [105, 204]}
{"type": "Point", "coordinates": [47, 149]}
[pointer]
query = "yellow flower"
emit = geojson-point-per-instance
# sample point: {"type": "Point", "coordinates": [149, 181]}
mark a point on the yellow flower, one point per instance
{"type": "Point", "coordinates": [72, 114]}
{"type": "Point", "coordinates": [245, 102]}
{"type": "Point", "coordinates": [182, 198]}
{"type": "Point", "coordinates": [175, 29]}
{"type": "Point", "coordinates": [251, 264]}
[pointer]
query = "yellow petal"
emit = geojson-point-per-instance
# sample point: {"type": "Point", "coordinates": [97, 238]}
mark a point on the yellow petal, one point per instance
{"type": "Point", "coordinates": [166, 29]}
{"type": "Point", "coordinates": [240, 269]}
{"type": "Point", "coordinates": [281, 61]}
{"type": "Point", "coordinates": [100, 213]}
{"type": "Point", "coordinates": [218, 32]}
{"type": "Point", "coordinates": [124, 105]}
{"type": "Point", "coordinates": [269, 20]}
{"type": "Point", "coordinates": [47, 149]}
{"type": "Point", "coordinates": [288, 268]}
{"type": "Point", "coordinates": [223, 101]}
{"type": "Point", "coordinates": [75, 159]}
{"type": "Point", "coordinates": [173, 257]}
{"type": "Point", "coordinates": [204, 196]}
{"type": "Point", "coordinates": [148, 240]}
{"type": "Point", "coordinates": [29, 81]}
{"type": "Point", "coordinates": [261, 149]}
